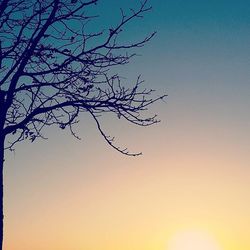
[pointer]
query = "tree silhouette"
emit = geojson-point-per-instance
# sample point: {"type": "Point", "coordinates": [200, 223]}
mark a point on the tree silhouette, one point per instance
{"type": "Point", "coordinates": [52, 69]}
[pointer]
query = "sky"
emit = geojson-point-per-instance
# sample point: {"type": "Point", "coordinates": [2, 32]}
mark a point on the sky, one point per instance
{"type": "Point", "coordinates": [194, 174]}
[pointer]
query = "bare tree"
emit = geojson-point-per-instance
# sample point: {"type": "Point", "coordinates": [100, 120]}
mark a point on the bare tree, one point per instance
{"type": "Point", "coordinates": [52, 69]}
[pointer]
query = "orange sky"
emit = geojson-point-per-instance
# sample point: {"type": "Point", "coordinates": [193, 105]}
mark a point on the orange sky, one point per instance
{"type": "Point", "coordinates": [72, 200]}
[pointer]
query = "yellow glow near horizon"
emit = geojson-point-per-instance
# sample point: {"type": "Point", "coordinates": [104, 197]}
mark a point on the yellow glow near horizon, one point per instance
{"type": "Point", "coordinates": [193, 240]}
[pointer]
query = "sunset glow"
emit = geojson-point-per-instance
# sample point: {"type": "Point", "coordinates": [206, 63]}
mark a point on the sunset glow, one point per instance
{"type": "Point", "coordinates": [193, 240]}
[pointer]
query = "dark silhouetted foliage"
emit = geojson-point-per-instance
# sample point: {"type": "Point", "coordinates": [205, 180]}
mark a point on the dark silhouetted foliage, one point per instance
{"type": "Point", "coordinates": [52, 68]}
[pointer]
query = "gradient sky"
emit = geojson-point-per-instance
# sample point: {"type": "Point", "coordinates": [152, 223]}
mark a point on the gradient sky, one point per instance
{"type": "Point", "coordinates": [64, 194]}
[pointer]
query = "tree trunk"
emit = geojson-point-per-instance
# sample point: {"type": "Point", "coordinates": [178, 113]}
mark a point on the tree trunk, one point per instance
{"type": "Point", "coordinates": [2, 138]}
{"type": "Point", "coordinates": [1, 188]}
